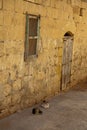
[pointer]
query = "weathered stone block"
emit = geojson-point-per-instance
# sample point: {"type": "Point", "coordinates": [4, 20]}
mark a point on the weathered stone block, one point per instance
{"type": "Point", "coordinates": [60, 51]}
{"type": "Point", "coordinates": [6, 102]}
{"type": "Point", "coordinates": [3, 76]}
{"type": "Point", "coordinates": [1, 17]}
{"type": "Point", "coordinates": [53, 3]}
{"type": "Point", "coordinates": [1, 4]}
{"type": "Point", "coordinates": [14, 60]}
{"type": "Point", "coordinates": [17, 85]}
{"type": "Point", "coordinates": [13, 47]}
{"type": "Point", "coordinates": [19, 6]}
{"type": "Point", "coordinates": [2, 50]}
{"type": "Point", "coordinates": [1, 33]}
{"type": "Point", "coordinates": [8, 5]}
{"type": "Point", "coordinates": [35, 9]}
{"type": "Point", "coordinates": [7, 90]}
{"type": "Point", "coordinates": [8, 18]}
{"type": "Point", "coordinates": [46, 2]}
{"type": "Point", "coordinates": [52, 13]}
{"type": "Point", "coordinates": [25, 82]}
{"type": "Point", "coordinates": [38, 1]}
{"type": "Point", "coordinates": [16, 98]}
{"type": "Point", "coordinates": [58, 70]}
{"type": "Point", "coordinates": [13, 33]}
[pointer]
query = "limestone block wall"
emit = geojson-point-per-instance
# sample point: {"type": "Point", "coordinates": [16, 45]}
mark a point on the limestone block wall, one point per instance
{"type": "Point", "coordinates": [79, 65]}
{"type": "Point", "coordinates": [23, 84]}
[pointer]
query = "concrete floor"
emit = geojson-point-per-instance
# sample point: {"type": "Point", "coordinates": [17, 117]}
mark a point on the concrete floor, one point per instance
{"type": "Point", "coordinates": [68, 111]}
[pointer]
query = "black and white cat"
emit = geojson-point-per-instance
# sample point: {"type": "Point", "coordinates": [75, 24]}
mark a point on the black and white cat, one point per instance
{"type": "Point", "coordinates": [36, 111]}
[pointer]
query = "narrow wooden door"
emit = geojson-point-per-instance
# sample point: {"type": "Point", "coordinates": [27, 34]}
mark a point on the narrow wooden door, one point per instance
{"type": "Point", "coordinates": [66, 61]}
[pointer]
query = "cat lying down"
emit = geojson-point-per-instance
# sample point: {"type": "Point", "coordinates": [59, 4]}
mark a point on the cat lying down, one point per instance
{"type": "Point", "coordinates": [37, 110]}
{"type": "Point", "coordinates": [45, 104]}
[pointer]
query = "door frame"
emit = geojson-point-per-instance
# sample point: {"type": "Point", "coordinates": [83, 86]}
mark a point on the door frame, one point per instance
{"type": "Point", "coordinates": [71, 36]}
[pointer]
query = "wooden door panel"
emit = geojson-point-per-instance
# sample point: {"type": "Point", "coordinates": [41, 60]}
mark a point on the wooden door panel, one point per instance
{"type": "Point", "coordinates": [66, 62]}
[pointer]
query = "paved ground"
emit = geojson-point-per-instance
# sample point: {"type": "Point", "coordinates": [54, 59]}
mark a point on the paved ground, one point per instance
{"type": "Point", "coordinates": [68, 111]}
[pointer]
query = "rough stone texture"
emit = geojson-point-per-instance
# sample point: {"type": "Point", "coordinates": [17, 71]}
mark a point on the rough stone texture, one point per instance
{"type": "Point", "coordinates": [1, 4]}
{"type": "Point", "coordinates": [25, 83]}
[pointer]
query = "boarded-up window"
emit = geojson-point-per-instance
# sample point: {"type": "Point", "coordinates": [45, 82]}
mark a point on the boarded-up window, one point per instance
{"type": "Point", "coordinates": [32, 35]}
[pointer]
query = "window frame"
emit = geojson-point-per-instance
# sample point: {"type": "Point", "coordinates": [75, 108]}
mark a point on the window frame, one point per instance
{"type": "Point", "coordinates": [27, 37]}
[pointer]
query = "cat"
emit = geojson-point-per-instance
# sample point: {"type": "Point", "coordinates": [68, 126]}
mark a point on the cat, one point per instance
{"type": "Point", "coordinates": [45, 104]}
{"type": "Point", "coordinates": [36, 111]}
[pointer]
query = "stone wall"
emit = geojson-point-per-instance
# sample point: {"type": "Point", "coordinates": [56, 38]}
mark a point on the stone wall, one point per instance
{"type": "Point", "coordinates": [23, 84]}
